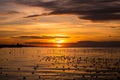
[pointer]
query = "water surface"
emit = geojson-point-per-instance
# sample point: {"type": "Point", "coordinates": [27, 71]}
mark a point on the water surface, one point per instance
{"type": "Point", "coordinates": [59, 63]}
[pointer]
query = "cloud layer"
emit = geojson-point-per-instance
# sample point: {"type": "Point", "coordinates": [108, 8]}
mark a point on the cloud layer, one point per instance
{"type": "Point", "coordinates": [41, 37]}
{"type": "Point", "coordinates": [96, 10]}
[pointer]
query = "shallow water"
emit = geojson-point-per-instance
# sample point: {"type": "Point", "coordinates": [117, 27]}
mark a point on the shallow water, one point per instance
{"type": "Point", "coordinates": [59, 63]}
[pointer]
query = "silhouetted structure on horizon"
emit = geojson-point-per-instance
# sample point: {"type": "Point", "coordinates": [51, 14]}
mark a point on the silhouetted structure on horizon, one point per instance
{"type": "Point", "coordinates": [17, 45]}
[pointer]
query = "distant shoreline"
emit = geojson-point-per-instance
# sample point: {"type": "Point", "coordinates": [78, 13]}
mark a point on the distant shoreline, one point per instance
{"type": "Point", "coordinates": [67, 45]}
{"type": "Point", "coordinates": [64, 47]}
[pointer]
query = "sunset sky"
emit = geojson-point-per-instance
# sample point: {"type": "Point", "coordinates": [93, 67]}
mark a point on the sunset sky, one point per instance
{"type": "Point", "coordinates": [59, 21]}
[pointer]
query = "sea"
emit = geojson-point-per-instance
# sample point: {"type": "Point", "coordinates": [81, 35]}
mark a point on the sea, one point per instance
{"type": "Point", "coordinates": [40, 63]}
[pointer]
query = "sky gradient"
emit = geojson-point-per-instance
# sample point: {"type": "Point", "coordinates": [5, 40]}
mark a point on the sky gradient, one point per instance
{"type": "Point", "coordinates": [59, 21]}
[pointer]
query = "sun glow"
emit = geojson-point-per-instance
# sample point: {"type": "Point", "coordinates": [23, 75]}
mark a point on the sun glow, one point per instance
{"type": "Point", "coordinates": [59, 41]}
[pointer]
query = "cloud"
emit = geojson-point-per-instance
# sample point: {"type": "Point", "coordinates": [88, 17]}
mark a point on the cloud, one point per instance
{"type": "Point", "coordinates": [40, 37]}
{"type": "Point", "coordinates": [95, 10]}
{"type": "Point", "coordinates": [31, 16]}
{"type": "Point", "coordinates": [9, 13]}
{"type": "Point", "coordinates": [37, 43]}
{"type": "Point", "coordinates": [8, 33]}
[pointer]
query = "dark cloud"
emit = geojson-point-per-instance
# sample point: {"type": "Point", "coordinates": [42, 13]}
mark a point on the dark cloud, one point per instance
{"type": "Point", "coordinates": [8, 33]}
{"type": "Point", "coordinates": [96, 10]}
{"type": "Point", "coordinates": [40, 37]}
{"type": "Point", "coordinates": [13, 12]}
{"type": "Point", "coordinates": [37, 43]}
{"type": "Point", "coordinates": [31, 16]}
{"type": "Point", "coordinates": [9, 12]}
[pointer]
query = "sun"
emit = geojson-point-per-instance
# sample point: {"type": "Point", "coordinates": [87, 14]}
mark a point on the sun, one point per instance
{"type": "Point", "coordinates": [59, 41]}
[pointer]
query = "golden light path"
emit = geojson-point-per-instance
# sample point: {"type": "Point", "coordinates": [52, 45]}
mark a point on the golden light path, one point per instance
{"type": "Point", "coordinates": [59, 45]}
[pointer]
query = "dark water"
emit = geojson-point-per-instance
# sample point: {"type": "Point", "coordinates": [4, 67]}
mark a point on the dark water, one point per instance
{"type": "Point", "coordinates": [60, 63]}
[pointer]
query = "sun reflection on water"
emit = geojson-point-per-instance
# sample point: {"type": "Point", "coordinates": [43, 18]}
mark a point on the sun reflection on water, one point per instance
{"type": "Point", "coordinates": [58, 45]}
